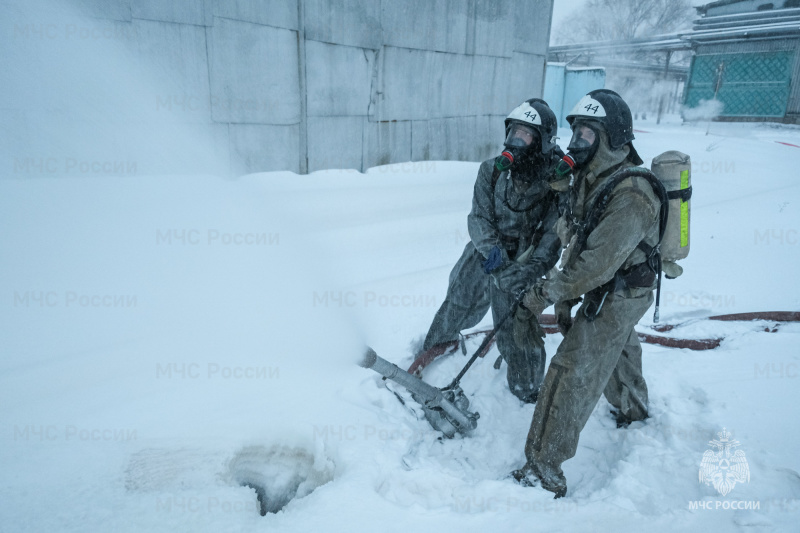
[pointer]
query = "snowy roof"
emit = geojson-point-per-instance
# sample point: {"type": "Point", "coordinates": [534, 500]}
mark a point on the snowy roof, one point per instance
{"type": "Point", "coordinates": [719, 3]}
{"type": "Point", "coordinates": [759, 25]}
{"type": "Point", "coordinates": [585, 68]}
{"type": "Point", "coordinates": [659, 42]}
{"type": "Point", "coordinates": [729, 7]}
{"type": "Point", "coordinates": [741, 19]}
{"type": "Point", "coordinates": [779, 22]}
{"type": "Point", "coordinates": [728, 31]}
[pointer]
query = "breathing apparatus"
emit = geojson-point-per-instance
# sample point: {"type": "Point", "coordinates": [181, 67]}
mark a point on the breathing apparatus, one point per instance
{"type": "Point", "coordinates": [521, 145]}
{"type": "Point", "coordinates": [609, 110]}
{"type": "Point", "coordinates": [530, 134]}
{"type": "Point", "coordinates": [582, 148]}
{"type": "Point", "coordinates": [670, 179]}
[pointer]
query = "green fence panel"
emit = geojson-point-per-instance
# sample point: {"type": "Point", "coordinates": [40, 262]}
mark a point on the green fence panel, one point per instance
{"type": "Point", "coordinates": [752, 85]}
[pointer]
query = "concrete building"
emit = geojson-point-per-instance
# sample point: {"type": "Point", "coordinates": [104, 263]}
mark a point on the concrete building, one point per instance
{"type": "Point", "coordinates": [299, 85]}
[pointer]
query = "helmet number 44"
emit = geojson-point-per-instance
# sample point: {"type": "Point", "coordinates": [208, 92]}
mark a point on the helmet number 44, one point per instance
{"type": "Point", "coordinates": [592, 108]}
{"type": "Point", "coordinates": [530, 116]}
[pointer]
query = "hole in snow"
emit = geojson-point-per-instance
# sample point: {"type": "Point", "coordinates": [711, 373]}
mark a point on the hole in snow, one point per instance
{"type": "Point", "coordinates": [278, 475]}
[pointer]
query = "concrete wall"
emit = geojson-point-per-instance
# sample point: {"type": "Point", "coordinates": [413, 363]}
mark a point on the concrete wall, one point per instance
{"type": "Point", "coordinates": [303, 85]}
{"type": "Point", "coordinates": [564, 86]}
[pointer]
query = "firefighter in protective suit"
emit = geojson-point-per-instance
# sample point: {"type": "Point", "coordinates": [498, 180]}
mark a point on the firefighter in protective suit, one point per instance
{"type": "Point", "coordinates": [512, 242]}
{"type": "Point", "coordinates": [608, 262]}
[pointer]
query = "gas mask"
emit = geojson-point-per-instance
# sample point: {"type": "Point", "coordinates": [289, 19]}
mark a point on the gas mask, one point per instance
{"type": "Point", "coordinates": [583, 144]}
{"type": "Point", "coordinates": [582, 148]}
{"type": "Point", "coordinates": [521, 146]}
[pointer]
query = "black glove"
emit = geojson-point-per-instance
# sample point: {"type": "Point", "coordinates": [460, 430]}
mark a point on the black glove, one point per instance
{"type": "Point", "coordinates": [517, 277]}
{"type": "Point", "coordinates": [527, 331]}
{"type": "Point", "coordinates": [563, 311]}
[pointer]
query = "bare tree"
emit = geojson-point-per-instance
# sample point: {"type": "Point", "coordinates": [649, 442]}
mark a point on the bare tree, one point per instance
{"type": "Point", "coordinates": [613, 20]}
{"type": "Point", "coordinates": [646, 91]}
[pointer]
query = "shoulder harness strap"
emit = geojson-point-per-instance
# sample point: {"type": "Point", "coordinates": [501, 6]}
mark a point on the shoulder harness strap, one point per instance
{"type": "Point", "coordinates": [495, 176]}
{"type": "Point", "coordinates": [600, 204]}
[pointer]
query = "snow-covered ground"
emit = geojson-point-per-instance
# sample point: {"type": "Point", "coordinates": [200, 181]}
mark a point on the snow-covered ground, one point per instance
{"type": "Point", "coordinates": [167, 341]}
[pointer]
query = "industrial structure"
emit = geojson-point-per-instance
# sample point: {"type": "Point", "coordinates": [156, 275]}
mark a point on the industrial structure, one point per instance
{"type": "Point", "coordinates": [743, 53]}
{"type": "Point", "coordinates": [747, 56]}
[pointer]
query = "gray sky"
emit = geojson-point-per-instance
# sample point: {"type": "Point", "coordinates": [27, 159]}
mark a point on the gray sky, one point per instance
{"type": "Point", "coordinates": [563, 8]}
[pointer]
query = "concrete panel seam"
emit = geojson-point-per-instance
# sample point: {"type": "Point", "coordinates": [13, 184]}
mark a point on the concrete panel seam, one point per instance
{"type": "Point", "coordinates": [231, 170]}
{"type": "Point", "coordinates": [449, 53]}
{"type": "Point", "coordinates": [426, 119]}
{"type": "Point", "coordinates": [472, 9]}
{"type": "Point", "coordinates": [549, 26]}
{"type": "Point", "coordinates": [170, 22]}
{"type": "Point", "coordinates": [253, 23]}
{"type": "Point", "coordinates": [210, 98]}
{"type": "Point", "coordinates": [340, 44]}
{"type": "Point", "coordinates": [543, 56]}
{"type": "Point", "coordinates": [303, 82]}
{"type": "Point", "coordinates": [364, 134]}
{"type": "Point", "coordinates": [351, 115]}
{"type": "Point", "coordinates": [376, 82]}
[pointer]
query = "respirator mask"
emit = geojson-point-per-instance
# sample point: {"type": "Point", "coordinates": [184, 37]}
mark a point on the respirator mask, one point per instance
{"type": "Point", "coordinates": [582, 148]}
{"type": "Point", "coordinates": [521, 145]}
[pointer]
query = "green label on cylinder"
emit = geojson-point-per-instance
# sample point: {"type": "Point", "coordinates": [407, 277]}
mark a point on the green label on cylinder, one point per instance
{"type": "Point", "coordinates": [684, 211]}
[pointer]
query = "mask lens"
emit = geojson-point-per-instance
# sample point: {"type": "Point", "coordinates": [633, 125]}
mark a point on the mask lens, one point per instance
{"type": "Point", "coordinates": [520, 136]}
{"type": "Point", "coordinates": [583, 137]}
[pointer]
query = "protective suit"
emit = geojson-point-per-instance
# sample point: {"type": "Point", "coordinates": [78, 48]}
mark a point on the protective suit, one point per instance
{"type": "Point", "coordinates": [600, 353]}
{"type": "Point", "coordinates": [513, 213]}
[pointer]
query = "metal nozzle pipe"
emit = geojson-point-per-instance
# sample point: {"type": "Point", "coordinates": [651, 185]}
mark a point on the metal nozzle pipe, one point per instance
{"type": "Point", "coordinates": [429, 395]}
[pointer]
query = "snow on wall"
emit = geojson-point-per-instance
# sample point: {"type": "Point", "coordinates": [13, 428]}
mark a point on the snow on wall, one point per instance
{"type": "Point", "coordinates": [304, 85]}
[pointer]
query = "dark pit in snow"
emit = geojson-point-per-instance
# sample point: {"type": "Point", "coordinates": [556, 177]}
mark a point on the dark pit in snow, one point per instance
{"type": "Point", "coordinates": [279, 474]}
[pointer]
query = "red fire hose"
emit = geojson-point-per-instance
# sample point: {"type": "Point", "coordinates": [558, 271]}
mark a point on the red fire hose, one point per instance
{"type": "Point", "coordinates": [548, 323]}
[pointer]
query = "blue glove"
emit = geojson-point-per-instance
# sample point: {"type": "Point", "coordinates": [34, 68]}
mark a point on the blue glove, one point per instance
{"type": "Point", "coordinates": [494, 260]}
